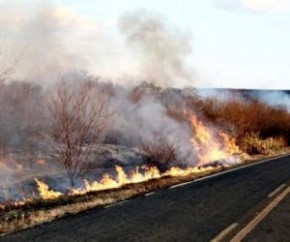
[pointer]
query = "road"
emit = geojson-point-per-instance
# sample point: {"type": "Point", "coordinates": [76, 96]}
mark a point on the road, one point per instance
{"type": "Point", "coordinates": [198, 211]}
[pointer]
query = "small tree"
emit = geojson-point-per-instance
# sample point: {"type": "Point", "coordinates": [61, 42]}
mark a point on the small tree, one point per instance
{"type": "Point", "coordinates": [78, 116]}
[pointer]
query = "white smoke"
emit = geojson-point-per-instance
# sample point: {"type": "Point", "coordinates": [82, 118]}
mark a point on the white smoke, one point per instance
{"type": "Point", "coordinates": [162, 51]}
{"type": "Point", "coordinates": [47, 39]}
{"type": "Point", "coordinates": [275, 98]}
{"type": "Point", "coordinates": [255, 5]}
{"type": "Point", "coordinates": [145, 120]}
{"type": "Point", "coordinates": [50, 39]}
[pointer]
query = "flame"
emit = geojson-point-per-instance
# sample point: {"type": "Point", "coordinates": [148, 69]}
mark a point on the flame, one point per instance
{"type": "Point", "coordinates": [178, 172]}
{"type": "Point", "coordinates": [45, 192]}
{"type": "Point", "coordinates": [211, 146]}
{"type": "Point", "coordinates": [107, 182]}
{"type": "Point", "coordinates": [137, 176]}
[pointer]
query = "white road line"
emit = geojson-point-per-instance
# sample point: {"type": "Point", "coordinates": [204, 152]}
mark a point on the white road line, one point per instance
{"type": "Point", "coordinates": [228, 171]}
{"type": "Point", "coordinates": [250, 226]}
{"type": "Point", "coordinates": [272, 194]}
{"type": "Point", "coordinates": [116, 204]}
{"type": "Point", "coordinates": [224, 233]}
{"type": "Point", "coordinates": [181, 184]}
{"type": "Point", "coordinates": [110, 205]}
{"type": "Point", "coordinates": [149, 194]}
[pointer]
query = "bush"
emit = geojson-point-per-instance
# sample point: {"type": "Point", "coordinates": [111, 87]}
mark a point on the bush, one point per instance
{"type": "Point", "coordinates": [160, 153]}
{"type": "Point", "coordinates": [254, 145]}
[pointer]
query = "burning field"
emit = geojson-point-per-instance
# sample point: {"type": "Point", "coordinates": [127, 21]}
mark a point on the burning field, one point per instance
{"type": "Point", "coordinates": [85, 156]}
{"type": "Point", "coordinates": [73, 140]}
{"type": "Point", "coordinates": [84, 143]}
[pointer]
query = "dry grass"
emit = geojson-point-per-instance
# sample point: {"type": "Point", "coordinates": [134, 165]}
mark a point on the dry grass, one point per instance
{"type": "Point", "coordinates": [254, 145]}
{"type": "Point", "coordinates": [36, 212]}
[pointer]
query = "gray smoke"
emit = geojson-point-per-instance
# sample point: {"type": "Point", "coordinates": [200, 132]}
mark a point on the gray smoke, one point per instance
{"type": "Point", "coordinates": [49, 40]}
{"type": "Point", "coordinates": [275, 98]}
{"type": "Point", "coordinates": [162, 51]}
{"type": "Point", "coordinates": [144, 120]}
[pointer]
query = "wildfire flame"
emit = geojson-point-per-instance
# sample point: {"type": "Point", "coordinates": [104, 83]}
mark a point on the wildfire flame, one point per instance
{"type": "Point", "coordinates": [107, 182]}
{"type": "Point", "coordinates": [211, 146]}
{"type": "Point", "coordinates": [45, 192]}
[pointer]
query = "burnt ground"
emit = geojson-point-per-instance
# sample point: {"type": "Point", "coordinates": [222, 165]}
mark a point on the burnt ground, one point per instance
{"type": "Point", "coordinates": [195, 212]}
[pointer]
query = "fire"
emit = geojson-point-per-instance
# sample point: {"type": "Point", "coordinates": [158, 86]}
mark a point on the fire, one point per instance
{"type": "Point", "coordinates": [176, 171]}
{"type": "Point", "coordinates": [45, 192]}
{"type": "Point", "coordinates": [107, 182]}
{"type": "Point", "coordinates": [211, 146]}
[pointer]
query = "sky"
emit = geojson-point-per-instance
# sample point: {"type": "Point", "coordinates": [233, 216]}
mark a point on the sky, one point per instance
{"type": "Point", "coordinates": [233, 43]}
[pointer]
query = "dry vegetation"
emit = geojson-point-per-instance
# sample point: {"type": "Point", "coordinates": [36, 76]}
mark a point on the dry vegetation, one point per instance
{"type": "Point", "coordinates": [41, 211]}
{"type": "Point", "coordinates": [66, 122]}
{"type": "Point", "coordinates": [258, 128]}
{"type": "Point", "coordinates": [160, 153]}
{"type": "Point", "coordinates": [77, 118]}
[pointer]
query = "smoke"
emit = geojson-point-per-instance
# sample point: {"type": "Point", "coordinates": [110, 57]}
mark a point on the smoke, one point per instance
{"type": "Point", "coordinates": [146, 120]}
{"type": "Point", "coordinates": [162, 51]}
{"type": "Point", "coordinates": [47, 40]}
{"type": "Point", "coordinates": [255, 5]}
{"type": "Point", "coordinates": [274, 98]}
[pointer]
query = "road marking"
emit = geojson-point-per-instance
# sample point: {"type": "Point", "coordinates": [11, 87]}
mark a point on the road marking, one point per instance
{"type": "Point", "coordinates": [250, 226]}
{"type": "Point", "coordinates": [116, 204]}
{"type": "Point", "coordinates": [272, 194]}
{"type": "Point", "coordinates": [110, 205]}
{"type": "Point", "coordinates": [181, 184]}
{"type": "Point", "coordinates": [149, 194]}
{"type": "Point", "coordinates": [224, 233]}
{"type": "Point", "coordinates": [228, 171]}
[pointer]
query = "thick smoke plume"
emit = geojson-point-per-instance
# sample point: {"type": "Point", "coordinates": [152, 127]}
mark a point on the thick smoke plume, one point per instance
{"type": "Point", "coordinates": [162, 51]}
{"type": "Point", "coordinates": [47, 40]}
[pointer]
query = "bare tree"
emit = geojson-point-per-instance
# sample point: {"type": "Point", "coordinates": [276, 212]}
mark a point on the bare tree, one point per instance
{"type": "Point", "coordinates": [78, 116]}
{"type": "Point", "coordinates": [7, 67]}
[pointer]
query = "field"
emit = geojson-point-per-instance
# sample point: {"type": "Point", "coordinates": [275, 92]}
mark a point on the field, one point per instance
{"type": "Point", "coordinates": [69, 148]}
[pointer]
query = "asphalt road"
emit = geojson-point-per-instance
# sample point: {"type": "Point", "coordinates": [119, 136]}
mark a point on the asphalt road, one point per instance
{"type": "Point", "coordinates": [194, 212]}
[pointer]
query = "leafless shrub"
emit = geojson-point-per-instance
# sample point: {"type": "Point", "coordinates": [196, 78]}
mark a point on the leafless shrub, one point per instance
{"type": "Point", "coordinates": [160, 153]}
{"type": "Point", "coordinates": [77, 116]}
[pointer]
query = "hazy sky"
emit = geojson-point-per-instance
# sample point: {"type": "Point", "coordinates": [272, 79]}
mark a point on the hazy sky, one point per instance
{"type": "Point", "coordinates": [235, 43]}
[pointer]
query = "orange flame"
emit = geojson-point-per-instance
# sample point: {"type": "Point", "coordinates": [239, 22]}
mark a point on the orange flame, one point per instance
{"type": "Point", "coordinates": [211, 146]}
{"type": "Point", "coordinates": [45, 192]}
{"type": "Point", "coordinates": [107, 182]}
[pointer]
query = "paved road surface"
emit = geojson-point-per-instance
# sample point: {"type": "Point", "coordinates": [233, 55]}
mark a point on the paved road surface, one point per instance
{"type": "Point", "coordinates": [194, 212]}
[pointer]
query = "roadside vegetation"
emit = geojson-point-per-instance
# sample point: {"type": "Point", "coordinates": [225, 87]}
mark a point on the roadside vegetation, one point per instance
{"type": "Point", "coordinates": [68, 120]}
{"type": "Point", "coordinates": [75, 134]}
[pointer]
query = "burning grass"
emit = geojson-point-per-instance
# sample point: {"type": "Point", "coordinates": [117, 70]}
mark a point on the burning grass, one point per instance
{"type": "Point", "coordinates": [177, 137]}
{"type": "Point", "coordinates": [18, 216]}
{"type": "Point", "coordinates": [53, 205]}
